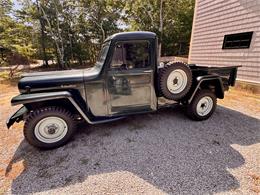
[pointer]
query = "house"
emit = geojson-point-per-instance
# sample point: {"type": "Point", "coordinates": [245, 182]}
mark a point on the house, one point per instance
{"type": "Point", "coordinates": [227, 33]}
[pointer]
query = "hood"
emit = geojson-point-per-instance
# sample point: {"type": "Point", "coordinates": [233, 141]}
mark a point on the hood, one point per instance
{"type": "Point", "coordinates": [54, 80]}
{"type": "Point", "coordinates": [51, 73]}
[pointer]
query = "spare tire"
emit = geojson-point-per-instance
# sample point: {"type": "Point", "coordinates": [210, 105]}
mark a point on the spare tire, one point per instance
{"type": "Point", "coordinates": [175, 80]}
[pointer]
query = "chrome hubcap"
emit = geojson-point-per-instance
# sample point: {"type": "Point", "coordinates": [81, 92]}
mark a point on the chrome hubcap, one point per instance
{"type": "Point", "coordinates": [204, 106]}
{"type": "Point", "coordinates": [51, 129]}
{"type": "Point", "coordinates": [177, 81]}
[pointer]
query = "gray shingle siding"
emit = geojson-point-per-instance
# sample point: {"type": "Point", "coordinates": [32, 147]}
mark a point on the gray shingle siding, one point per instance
{"type": "Point", "coordinates": [213, 19]}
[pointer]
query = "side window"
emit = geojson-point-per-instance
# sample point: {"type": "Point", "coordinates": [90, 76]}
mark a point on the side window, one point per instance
{"type": "Point", "coordinates": [118, 58]}
{"type": "Point", "coordinates": [130, 55]}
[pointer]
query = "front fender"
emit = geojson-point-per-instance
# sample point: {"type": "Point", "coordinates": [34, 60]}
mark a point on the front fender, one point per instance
{"type": "Point", "coordinates": [48, 96]}
{"type": "Point", "coordinates": [39, 97]}
{"type": "Point", "coordinates": [16, 117]}
{"type": "Point", "coordinates": [31, 98]}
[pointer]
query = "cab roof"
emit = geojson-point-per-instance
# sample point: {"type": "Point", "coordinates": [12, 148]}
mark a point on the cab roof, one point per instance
{"type": "Point", "coordinates": [132, 35]}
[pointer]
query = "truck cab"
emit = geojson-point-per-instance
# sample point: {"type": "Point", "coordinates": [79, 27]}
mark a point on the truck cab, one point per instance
{"type": "Point", "coordinates": [128, 65]}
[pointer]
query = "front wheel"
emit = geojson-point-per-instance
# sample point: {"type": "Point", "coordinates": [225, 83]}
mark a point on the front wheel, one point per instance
{"type": "Point", "coordinates": [202, 106]}
{"type": "Point", "coordinates": [49, 127]}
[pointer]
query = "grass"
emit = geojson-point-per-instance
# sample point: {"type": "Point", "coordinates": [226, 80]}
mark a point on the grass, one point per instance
{"type": "Point", "coordinates": [4, 76]}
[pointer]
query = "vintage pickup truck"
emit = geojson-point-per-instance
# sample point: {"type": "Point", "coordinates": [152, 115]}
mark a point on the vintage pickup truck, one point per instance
{"type": "Point", "coordinates": [127, 79]}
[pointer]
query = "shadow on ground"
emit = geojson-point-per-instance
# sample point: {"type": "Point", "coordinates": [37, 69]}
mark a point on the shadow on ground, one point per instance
{"type": "Point", "coordinates": [165, 149]}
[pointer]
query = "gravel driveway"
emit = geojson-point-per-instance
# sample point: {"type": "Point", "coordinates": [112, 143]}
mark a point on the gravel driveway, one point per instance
{"type": "Point", "coordinates": [155, 153]}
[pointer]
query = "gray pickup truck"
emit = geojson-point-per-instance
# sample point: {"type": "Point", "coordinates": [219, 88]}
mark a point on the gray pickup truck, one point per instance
{"type": "Point", "coordinates": [126, 80]}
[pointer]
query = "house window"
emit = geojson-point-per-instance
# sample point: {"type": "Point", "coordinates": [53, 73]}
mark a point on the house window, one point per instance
{"type": "Point", "coordinates": [237, 41]}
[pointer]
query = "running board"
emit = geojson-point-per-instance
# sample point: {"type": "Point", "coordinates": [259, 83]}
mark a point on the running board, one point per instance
{"type": "Point", "coordinates": [87, 118]}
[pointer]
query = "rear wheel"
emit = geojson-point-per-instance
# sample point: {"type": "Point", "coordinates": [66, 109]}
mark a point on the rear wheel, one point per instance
{"type": "Point", "coordinates": [49, 127]}
{"type": "Point", "coordinates": [202, 106]}
{"type": "Point", "coordinates": [175, 81]}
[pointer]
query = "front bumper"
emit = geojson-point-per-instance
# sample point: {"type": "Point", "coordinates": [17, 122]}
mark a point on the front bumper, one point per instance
{"type": "Point", "coordinates": [16, 117]}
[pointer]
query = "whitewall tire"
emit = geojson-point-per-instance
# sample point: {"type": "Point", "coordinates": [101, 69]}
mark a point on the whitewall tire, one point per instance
{"type": "Point", "coordinates": [203, 105]}
{"type": "Point", "coordinates": [49, 127]}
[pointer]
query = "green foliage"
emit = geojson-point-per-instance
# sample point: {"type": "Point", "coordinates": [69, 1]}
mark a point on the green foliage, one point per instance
{"type": "Point", "coordinates": [5, 7]}
{"type": "Point", "coordinates": [72, 31]}
{"type": "Point", "coordinates": [15, 36]}
{"type": "Point", "coordinates": [177, 16]}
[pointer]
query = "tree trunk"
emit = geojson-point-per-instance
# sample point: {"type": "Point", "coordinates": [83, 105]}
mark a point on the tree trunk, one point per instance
{"type": "Point", "coordinates": [78, 55]}
{"type": "Point", "coordinates": [180, 48]}
{"type": "Point", "coordinates": [57, 56]}
{"type": "Point", "coordinates": [160, 29]}
{"type": "Point", "coordinates": [60, 46]}
{"type": "Point", "coordinates": [103, 32]}
{"type": "Point", "coordinates": [45, 59]}
{"type": "Point", "coordinates": [43, 36]}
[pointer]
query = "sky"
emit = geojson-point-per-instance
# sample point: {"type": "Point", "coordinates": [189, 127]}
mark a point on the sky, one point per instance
{"type": "Point", "coordinates": [16, 4]}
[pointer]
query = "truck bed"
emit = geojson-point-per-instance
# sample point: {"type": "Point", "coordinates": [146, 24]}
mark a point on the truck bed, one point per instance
{"type": "Point", "coordinates": [227, 74]}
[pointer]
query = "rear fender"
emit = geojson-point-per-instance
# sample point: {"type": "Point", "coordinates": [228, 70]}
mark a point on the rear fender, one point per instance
{"type": "Point", "coordinates": [211, 80]}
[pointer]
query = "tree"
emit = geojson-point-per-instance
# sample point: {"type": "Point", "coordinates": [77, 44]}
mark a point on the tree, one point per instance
{"type": "Point", "coordinates": [30, 13]}
{"type": "Point", "coordinates": [43, 33]}
{"type": "Point", "coordinates": [5, 8]}
{"type": "Point", "coordinates": [72, 31]}
{"type": "Point", "coordinates": [51, 12]}
{"type": "Point", "coordinates": [171, 20]}
{"type": "Point", "coordinates": [101, 19]}
{"type": "Point", "coordinates": [84, 26]}
{"type": "Point", "coordinates": [15, 37]}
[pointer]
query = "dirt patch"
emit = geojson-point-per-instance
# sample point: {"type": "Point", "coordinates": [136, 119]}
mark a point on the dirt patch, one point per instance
{"type": "Point", "coordinates": [242, 101]}
{"type": "Point", "coordinates": [256, 182]}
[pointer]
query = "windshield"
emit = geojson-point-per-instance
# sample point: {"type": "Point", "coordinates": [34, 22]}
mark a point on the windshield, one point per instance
{"type": "Point", "coordinates": [102, 54]}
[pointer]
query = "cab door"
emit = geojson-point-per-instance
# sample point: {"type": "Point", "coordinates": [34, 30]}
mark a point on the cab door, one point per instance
{"type": "Point", "coordinates": [130, 79]}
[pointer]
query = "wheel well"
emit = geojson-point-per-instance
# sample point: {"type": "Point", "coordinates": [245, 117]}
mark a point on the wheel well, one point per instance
{"type": "Point", "coordinates": [64, 103]}
{"type": "Point", "coordinates": [215, 86]}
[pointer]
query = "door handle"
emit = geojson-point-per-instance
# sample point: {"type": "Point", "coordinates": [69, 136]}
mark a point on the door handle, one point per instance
{"type": "Point", "coordinates": [135, 73]}
{"type": "Point", "coordinates": [148, 71]}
